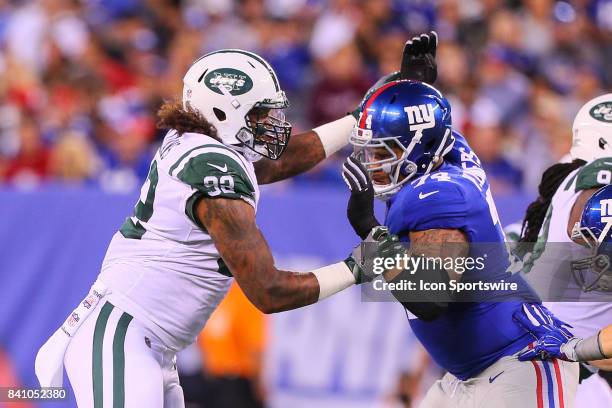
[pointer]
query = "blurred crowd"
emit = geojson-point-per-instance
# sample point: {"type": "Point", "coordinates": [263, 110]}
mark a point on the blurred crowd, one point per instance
{"type": "Point", "coordinates": [81, 80]}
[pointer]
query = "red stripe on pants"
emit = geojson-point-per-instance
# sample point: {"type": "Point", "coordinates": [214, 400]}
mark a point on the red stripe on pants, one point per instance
{"type": "Point", "coordinates": [559, 382]}
{"type": "Point", "coordinates": [539, 395]}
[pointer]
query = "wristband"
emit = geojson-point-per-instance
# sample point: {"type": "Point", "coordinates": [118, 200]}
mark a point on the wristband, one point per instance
{"type": "Point", "coordinates": [333, 278]}
{"type": "Point", "coordinates": [335, 135]}
{"type": "Point", "coordinates": [589, 349]}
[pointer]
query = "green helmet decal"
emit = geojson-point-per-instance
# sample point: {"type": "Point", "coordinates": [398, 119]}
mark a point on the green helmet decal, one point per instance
{"type": "Point", "coordinates": [602, 112]}
{"type": "Point", "coordinates": [236, 81]}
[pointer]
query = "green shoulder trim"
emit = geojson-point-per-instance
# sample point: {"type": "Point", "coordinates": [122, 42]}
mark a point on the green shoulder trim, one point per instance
{"type": "Point", "coordinates": [571, 181]}
{"type": "Point", "coordinates": [188, 152]}
{"type": "Point", "coordinates": [595, 174]}
{"type": "Point", "coordinates": [217, 175]}
{"type": "Point", "coordinates": [190, 209]}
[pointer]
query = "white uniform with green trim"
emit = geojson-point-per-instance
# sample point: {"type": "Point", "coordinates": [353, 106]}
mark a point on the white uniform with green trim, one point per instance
{"type": "Point", "coordinates": [549, 267]}
{"type": "Point", "coordinates": [162, 267]}
{"type": "Point", "coordinates": [553, 254]}
{"type": "Point", "coordinates": [164, 277]}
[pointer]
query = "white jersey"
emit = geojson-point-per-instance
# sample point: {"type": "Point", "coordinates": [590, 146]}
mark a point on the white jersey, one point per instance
{"type": "Point", "coordinates": [162, 267]}
{"type": "Point", "coordinates": [550, 272]}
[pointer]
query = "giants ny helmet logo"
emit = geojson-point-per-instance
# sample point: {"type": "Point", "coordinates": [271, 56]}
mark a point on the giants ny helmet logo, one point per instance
{"type": "Point", "coordinates": [606, 217]}
{"type": "Point", "coordinates": [420, 117]}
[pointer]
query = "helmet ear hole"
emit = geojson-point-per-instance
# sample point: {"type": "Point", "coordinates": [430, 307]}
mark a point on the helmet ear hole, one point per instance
{"type": "Point", "coordinates": [219, 114]}
{"type": "Point", "coordinates": [602, 143]}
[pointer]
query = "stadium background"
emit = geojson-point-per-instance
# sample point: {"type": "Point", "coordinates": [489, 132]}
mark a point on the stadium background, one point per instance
{"type": "Point", "coordinates": [80, 82]}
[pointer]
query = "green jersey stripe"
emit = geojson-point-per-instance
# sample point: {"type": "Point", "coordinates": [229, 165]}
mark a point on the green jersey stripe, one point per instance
{"type": "Point", "coordinates": [97, 362]}
{"type": "Point", "coordinates": [571, 181]}
{"type": "Point", "coordinates": [187, 153]}
{"type": "Point", "coordinates": [540, 244]}
{"type": "Point", "coordinates": [119, 361]}
{"type": "Point", "coordinates": [199, 170]}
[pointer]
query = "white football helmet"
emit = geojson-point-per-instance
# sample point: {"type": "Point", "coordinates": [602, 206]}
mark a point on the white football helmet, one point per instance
{"type": "Point", "coordinates": [238, 92]}
{"type": "Point", "coordinates": [592, 130]}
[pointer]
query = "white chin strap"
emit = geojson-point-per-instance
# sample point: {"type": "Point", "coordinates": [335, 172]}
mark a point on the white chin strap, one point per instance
{"type": "Point", "coordinates": [248, 154]}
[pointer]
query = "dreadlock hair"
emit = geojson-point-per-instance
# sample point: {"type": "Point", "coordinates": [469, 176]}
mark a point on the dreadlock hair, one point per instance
{"type": "Point", "coordinates": [551, 180]}
{"type": "Point", "coordinates": [172, 115]}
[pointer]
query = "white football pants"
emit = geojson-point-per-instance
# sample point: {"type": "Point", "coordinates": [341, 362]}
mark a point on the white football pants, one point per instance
{"type": "Point", "coordinates": [113, 361]}
{"type": "Point", "coordinates": [509, 383]}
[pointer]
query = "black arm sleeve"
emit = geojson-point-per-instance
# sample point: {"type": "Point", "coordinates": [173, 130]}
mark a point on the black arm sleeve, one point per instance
{"type": "Point", "coordinates": [431, 294]}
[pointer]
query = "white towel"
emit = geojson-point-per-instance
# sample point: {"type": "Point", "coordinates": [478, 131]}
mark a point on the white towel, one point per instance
{"type": "Point", "coordinates": [49, 364]}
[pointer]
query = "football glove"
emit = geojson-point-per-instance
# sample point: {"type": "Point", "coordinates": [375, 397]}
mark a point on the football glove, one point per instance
{"type": "Point", "coordinates": [378, 244]}
{"type": "Point", "coordinates": [360, 209]}
{"type": "Point", "coordinates": [549, 332]}
{"type": "Point", "coordinates": [555, 344]}
{"type": "Point", "coordinates": [419, 58]}
{"type": "Point", "coordinates": [539, 321]}
{"type": "Point", "coordinates": [418, 63]}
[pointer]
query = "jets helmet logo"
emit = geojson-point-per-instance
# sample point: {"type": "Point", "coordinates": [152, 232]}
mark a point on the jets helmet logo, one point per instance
{"type": "Point", "coordinates": [602, 112]}
{"type": "Point", "coordinates": [233, 80]}
{"type": "Point", "coordinates": [420, 117]}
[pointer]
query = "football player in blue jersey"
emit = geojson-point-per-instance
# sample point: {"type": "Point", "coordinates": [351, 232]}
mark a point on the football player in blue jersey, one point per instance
{"type": "Point", "coordinates": [438, 202]}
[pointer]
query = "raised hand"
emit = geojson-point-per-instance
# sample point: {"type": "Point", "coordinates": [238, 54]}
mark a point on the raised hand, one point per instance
{"type": "Point", "coordinates": [360, 209]}
{"type": "Point", "coordinates": [419, 58]}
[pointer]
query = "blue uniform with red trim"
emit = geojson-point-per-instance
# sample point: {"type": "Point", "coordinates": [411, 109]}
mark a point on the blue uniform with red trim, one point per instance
{"type": "Point", "coordinates": [469, 336]}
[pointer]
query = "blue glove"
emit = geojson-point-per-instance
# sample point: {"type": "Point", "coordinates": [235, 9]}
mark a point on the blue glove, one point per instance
{"type": "Point", "coordinates": [555, 344]}
{"type": "Point", "coordinates": [538, 320]}
{"type": "Point", "coordinates": [549, 332]}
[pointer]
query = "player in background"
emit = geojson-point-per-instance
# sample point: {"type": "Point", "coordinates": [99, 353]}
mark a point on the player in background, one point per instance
{"type": "Point", "coordinates": [193, 230]}
{"type": "Point", "coordinates": [438, 200]}
{"type": "Point", "coordinates": [547, 233]}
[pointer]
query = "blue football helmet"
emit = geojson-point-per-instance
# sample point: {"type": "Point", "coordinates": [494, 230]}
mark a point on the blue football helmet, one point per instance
{"type": "Point", "coordinates": [403, 131]}
{"type": "Point", "coordinates": [594, 230]}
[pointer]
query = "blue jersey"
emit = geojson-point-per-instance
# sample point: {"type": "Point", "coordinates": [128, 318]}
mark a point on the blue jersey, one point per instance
{"type": "Point", "coordinates": [469, 336]}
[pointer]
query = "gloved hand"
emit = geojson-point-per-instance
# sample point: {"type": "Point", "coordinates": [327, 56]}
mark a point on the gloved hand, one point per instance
{"type": "Point", "coordinates": [419, 58]}
{"type": "Point", "coordinates": [555, 344]}
{"type": "Point", "coordinates": [360, 209]}
{"type": "Point", "coordinates": [549, 332]}
{"type": "Point", "coordinates": [539, 321]}
{"type": "Point", "coordinates": [378, 244]}
{"type": "Point", "coordinates": [418, 63]}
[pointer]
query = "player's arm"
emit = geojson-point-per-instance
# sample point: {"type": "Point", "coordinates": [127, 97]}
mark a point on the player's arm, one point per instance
{"type": "Point", "coordinates": [594, 348]}
{"type": "Point", "coordinates": [231, 224]}
{"type": "Point", "coordinates": [308, 149]}
{"type": "Point", "coordinates": [438, 244]}
{"type": "Point", "coordinates": [433, 244]}
{"type": "Point", "coordinates": [577, 208]}
{"type": "Point", "coordinates": [554, 340]}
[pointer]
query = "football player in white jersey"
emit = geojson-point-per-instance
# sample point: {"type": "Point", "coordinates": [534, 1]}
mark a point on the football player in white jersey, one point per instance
{"type": "Point", "coordinates": [193, 230]}
{"type": "Point", "coordinates": [547, 231]}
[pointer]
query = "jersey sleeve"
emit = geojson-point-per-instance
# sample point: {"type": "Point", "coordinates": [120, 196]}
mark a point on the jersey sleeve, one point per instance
{"type": "Point", "coordinates": [595, 174]}
{"type": "Point", "coordinates": [213, 174]}
{"type": "Point", "coordinates": [438, 205]}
